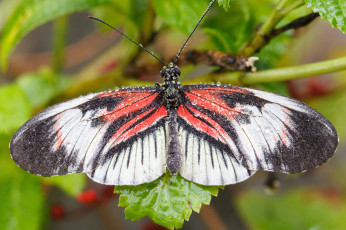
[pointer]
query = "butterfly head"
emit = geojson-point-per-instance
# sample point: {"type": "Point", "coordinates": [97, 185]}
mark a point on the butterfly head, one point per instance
{"type": "Point", "coordinates": [170, 73]}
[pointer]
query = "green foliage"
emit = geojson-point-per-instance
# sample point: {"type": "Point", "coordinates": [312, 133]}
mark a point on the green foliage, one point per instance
{"type": "Point", "coordinates": [333, 10]}
{"type": "Point", "coordinates": [21, 200]}
{"type": "Point", "coordinates": [21, 195]}
{"type": "Point", "coordinates": [33, 13]}
{"type": "Point", "coordinates": [168, 201]}
{"type": "Point", "coordinates": [180, 14]}
{"type": "Point", "coordinates": [236, 27]}
{"type": "Point", "coordinates": [41, 87]}
{"type": "Point", "coordinates": [15, 108]}
{"type": "Point", "coordinates": [296, 209]}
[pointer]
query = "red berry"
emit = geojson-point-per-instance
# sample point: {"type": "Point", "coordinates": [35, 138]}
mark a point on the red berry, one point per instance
{"type": "Point", "coordinates": [87, 197]}
{"type": "Point", "coordinates": [57, 212]}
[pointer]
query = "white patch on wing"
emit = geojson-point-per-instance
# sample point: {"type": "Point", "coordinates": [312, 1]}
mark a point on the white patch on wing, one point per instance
{"type": "Point", "coordinates": [208, 165]}
{"type": "Point", "coordinates": [260, 136]}
{"type": "Point", "coordinates": [283, 101]}
{"type": "Point", "coordinates": [58, 108]}
{"type": "Point", "coordinates": [141, 162]}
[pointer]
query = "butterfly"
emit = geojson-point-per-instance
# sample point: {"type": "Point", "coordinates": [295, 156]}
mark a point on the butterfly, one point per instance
{"type": "Point", "coordinates": [210, 134]}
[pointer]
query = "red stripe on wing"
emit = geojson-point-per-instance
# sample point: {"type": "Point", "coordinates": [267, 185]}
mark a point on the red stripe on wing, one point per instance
{"type": "Point", "coordinates": [123, 133]}
{"type": "Point", "coordinates": [215, 131]}
{"type": "Point", "coordinates": [211, 102]}
{"type": "Point", "coordinates": [129, 104]}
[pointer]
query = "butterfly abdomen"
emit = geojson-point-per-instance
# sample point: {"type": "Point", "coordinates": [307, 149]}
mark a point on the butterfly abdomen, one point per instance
{"type": "Point", "coordinates": [174, 154]}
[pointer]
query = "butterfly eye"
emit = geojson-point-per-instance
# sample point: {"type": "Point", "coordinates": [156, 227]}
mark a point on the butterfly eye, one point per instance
{"type": "Point", "coordinates": [163, 72]}
{"type": "Point", "coordinates": [177, 70]}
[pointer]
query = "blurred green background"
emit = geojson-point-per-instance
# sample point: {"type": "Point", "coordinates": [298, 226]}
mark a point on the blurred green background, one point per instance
{"type": "Point", "coordinates": [50, 52]}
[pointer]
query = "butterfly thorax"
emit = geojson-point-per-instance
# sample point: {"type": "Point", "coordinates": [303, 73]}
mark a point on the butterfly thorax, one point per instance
{"type": "Point", "coordinates": [171, 86]}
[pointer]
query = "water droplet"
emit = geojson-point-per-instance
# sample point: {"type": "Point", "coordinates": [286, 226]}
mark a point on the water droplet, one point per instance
{"type": "Point", "coordinates": [193, 102]}
{"type": "Point", "coordinates": [218, 83]}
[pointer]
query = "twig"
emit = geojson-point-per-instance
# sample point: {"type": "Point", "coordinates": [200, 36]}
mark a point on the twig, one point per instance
{"type": "Point", "coordinates": [299, 22]}
{"type": "Point", "coordinates": [224, 60]}
{"type": "Point", "coordinates": [284, 74]}
{"type": "Point", "coordinates": [259, 40]}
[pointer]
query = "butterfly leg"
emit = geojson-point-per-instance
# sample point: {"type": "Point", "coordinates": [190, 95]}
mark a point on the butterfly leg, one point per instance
{"type": "Point", "coordinates": [174, 156]}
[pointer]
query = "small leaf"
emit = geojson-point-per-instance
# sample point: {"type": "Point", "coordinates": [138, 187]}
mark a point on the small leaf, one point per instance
{"type": "Point", "coordinates": [33, 13]}
{"type": "Point", "coordinates": [15, 108]}
{"type": "Point", "coordinates": [180, 14]}
{"type": "Point", "coordinates": [168, 201]}
{"type": "Point", "coordinates": [333, 10]}
{"type": "Point", "coordinates": [224, 3]}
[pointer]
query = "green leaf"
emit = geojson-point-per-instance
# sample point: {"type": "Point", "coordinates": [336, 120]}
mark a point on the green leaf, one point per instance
{"type": "Point", "coordinates": [21, 195]}
{"type": "Point", "coordinates": [6, 9]}
{"type": "Point", "coordinates": [72, 184]}
{"type": "Point", "coordinates": [333, 10]}
{"type": "Point", "coordinates": [234, 27]}
{"type": "Point", "coordinates": [33, 13]}
{"type": "Point", "coordinates": [15, 108]}
{"type": "Point", "coordinates": [299, 209]}
{"type": "Point", "coordinates": [21, 201]}
{"type": "Point", "coordinates": [220, 39]}
{"type": "Point", "coordinates": [41, 87]}
{"type": "Point", "coordinates": [180, 14]}
{"type": "Point", "coordinates": [168, 201]}
{"type": "Point", "coordinates": [224, 3]}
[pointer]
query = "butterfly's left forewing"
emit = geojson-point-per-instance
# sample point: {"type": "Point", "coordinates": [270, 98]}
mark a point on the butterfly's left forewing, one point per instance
{"type": "Point", "coordinates": [247, 130]}
{"type": "Point", "coordinates": [116, 137]}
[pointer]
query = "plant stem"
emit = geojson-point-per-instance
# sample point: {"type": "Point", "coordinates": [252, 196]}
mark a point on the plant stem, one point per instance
{"type": "Point", "coordinates": [59, 42]}
{"type": "Point", "coordinates": [260, 38]}
{"type": "Point", "coordinates": [284, 74]}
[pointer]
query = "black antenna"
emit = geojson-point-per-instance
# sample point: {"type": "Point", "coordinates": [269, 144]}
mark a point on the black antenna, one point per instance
{"type": "Point", "coordinates": [141, 46]}
{"type": "Point", "coordinates": [199, 21]}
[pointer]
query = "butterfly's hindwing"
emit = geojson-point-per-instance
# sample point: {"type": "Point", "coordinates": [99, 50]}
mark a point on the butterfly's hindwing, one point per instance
{"type": "Point", "coordinates": [207, 160]}
{"type": "Point", "coordinates": [140, 159]}
{"type": "Point", "coordinates": [262, 130]}
{"type": "Point", "coordinates": [82, 134]}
